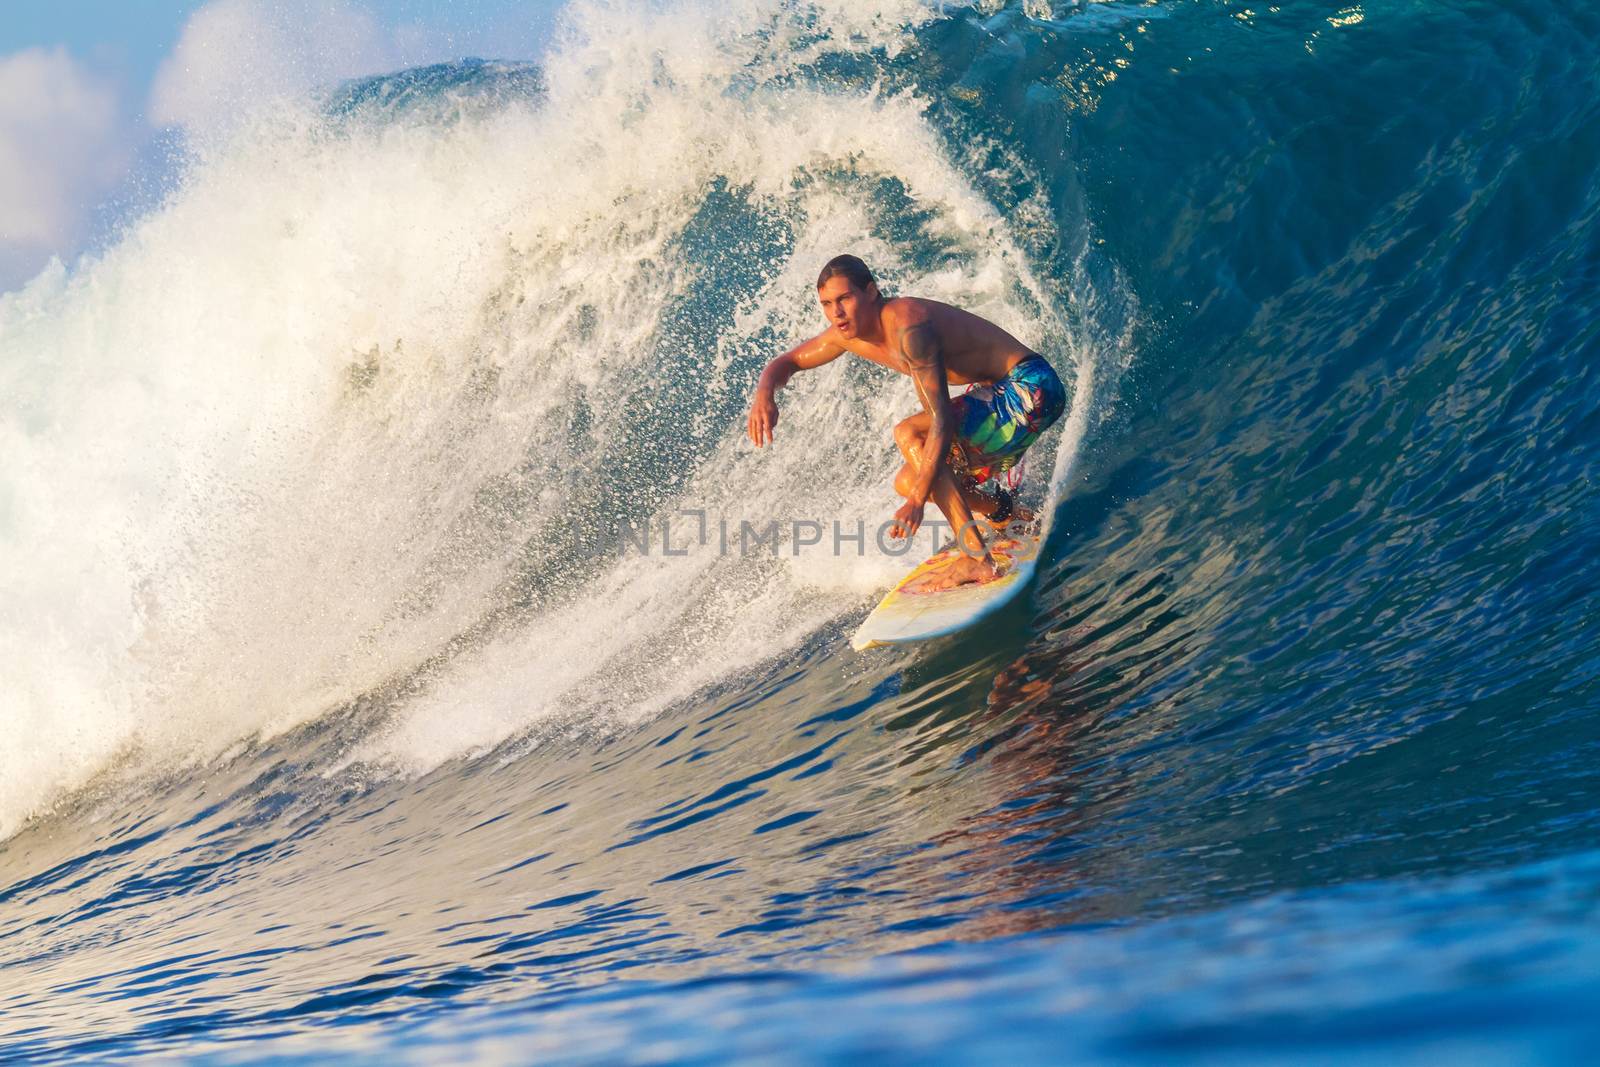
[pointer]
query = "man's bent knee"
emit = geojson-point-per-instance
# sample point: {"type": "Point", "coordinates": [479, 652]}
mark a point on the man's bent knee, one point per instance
{"type": "Point", "coordinates": [905, 481]}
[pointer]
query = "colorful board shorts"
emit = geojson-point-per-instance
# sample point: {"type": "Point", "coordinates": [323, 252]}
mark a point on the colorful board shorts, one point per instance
{"type": "Point", "coordinates": [999, 421]}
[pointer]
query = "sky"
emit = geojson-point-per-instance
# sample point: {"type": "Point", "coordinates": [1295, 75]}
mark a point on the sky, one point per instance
{"type": "Point", "coordinates": [94, 93]}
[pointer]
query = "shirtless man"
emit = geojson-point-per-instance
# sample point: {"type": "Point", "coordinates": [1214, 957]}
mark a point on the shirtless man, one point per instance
{"type": "Point", "coordinates": [952, 445]}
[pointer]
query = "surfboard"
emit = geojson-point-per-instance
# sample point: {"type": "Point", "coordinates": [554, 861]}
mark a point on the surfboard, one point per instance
{"type": "Point", "coordinates": [904, 615]}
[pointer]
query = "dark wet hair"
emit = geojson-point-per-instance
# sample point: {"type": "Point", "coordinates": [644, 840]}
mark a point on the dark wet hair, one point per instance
{"type": "Point", "coordinates": [850, 268]}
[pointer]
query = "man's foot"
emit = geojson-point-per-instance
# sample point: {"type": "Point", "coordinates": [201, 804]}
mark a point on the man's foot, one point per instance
{"type": "Point", "coordinates": [1006, 510]}
{"type": "Point", "coordinates": [963, 570]}
{"type": "Point", "coordinates": [1018, 514]}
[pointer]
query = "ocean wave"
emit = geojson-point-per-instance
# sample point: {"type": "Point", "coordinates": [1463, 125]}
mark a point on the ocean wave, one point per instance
{"type": "Point", "coordinates": [331, 678]}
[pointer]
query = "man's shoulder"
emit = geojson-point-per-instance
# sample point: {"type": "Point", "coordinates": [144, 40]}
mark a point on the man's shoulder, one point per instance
{"type": "Point", "coordinates": [903, 311]}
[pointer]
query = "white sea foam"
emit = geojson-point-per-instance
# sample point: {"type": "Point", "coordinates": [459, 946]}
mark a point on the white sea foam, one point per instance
{"type": "Point", "coordinates": [309, 427]}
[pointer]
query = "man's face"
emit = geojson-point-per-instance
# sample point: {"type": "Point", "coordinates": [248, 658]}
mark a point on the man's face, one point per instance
{"type": "Point", "coordinates": [844, 304]}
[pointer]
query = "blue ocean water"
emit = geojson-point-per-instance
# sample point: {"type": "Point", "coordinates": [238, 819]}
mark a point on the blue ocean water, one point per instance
{"type": "Point", "coordinates": [344, 729]}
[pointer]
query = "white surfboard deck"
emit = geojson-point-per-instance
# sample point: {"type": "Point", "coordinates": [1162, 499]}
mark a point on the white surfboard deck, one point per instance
{"type": "Point", "coordinates": [902, 617]}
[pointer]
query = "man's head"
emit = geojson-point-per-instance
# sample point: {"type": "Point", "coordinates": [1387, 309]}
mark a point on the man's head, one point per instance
{"type": "Point", "coordinates": [848, 293]}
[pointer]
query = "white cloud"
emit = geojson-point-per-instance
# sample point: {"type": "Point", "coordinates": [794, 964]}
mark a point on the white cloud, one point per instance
{"type": "Point", "coordinates": [233, 54]}
{"type": "Point", "coordinates": [67, 140]}
{"type": "Point", "coordinates": [63, 147]}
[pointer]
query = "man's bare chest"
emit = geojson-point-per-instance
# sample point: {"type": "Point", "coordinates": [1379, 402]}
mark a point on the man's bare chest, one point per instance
{"type": "Point", "coordinates": [894, 361]}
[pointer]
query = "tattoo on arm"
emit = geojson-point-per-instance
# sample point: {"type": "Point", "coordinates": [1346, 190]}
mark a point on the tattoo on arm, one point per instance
{"type": "Point", "coordinates": [919, 343]}
{"type": "Point", "coordinates": [924, 356]}
{"type": "Point", "coordinates": [919, 346]}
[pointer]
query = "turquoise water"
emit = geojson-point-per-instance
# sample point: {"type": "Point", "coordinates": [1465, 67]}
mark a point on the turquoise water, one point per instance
{"type": "Point", "coordinates": [346, 728]}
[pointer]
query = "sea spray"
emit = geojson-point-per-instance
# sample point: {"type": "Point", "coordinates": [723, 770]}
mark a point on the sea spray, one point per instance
{"type": "Point", "coordinates": [355, 411]}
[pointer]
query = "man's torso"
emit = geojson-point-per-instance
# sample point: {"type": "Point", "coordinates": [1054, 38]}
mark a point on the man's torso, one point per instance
{"type": "Point", "coordinates": [974, 349]}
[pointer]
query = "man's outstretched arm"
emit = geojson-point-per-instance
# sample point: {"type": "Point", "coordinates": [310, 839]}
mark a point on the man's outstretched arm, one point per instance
{"type": "Point", "coordinates": [764, 405]}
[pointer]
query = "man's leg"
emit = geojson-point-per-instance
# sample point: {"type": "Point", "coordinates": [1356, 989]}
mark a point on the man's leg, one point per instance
{"type": "Point", "coordinates": [946, 495]}
{"type": "Point", "coordinates": [974, 564]}
{"type": "Point", "coordinates": [909, 435]}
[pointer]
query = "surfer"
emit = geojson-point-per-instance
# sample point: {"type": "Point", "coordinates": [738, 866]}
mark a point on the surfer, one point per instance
{"type": "Point", "coordinates": [954, 444]}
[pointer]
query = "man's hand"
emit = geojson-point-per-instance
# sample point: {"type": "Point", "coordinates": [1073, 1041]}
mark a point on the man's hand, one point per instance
{"type": "Point", "coordinates": [908, 519]}
{"type": "Point", "coordinates": [763, 417]}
